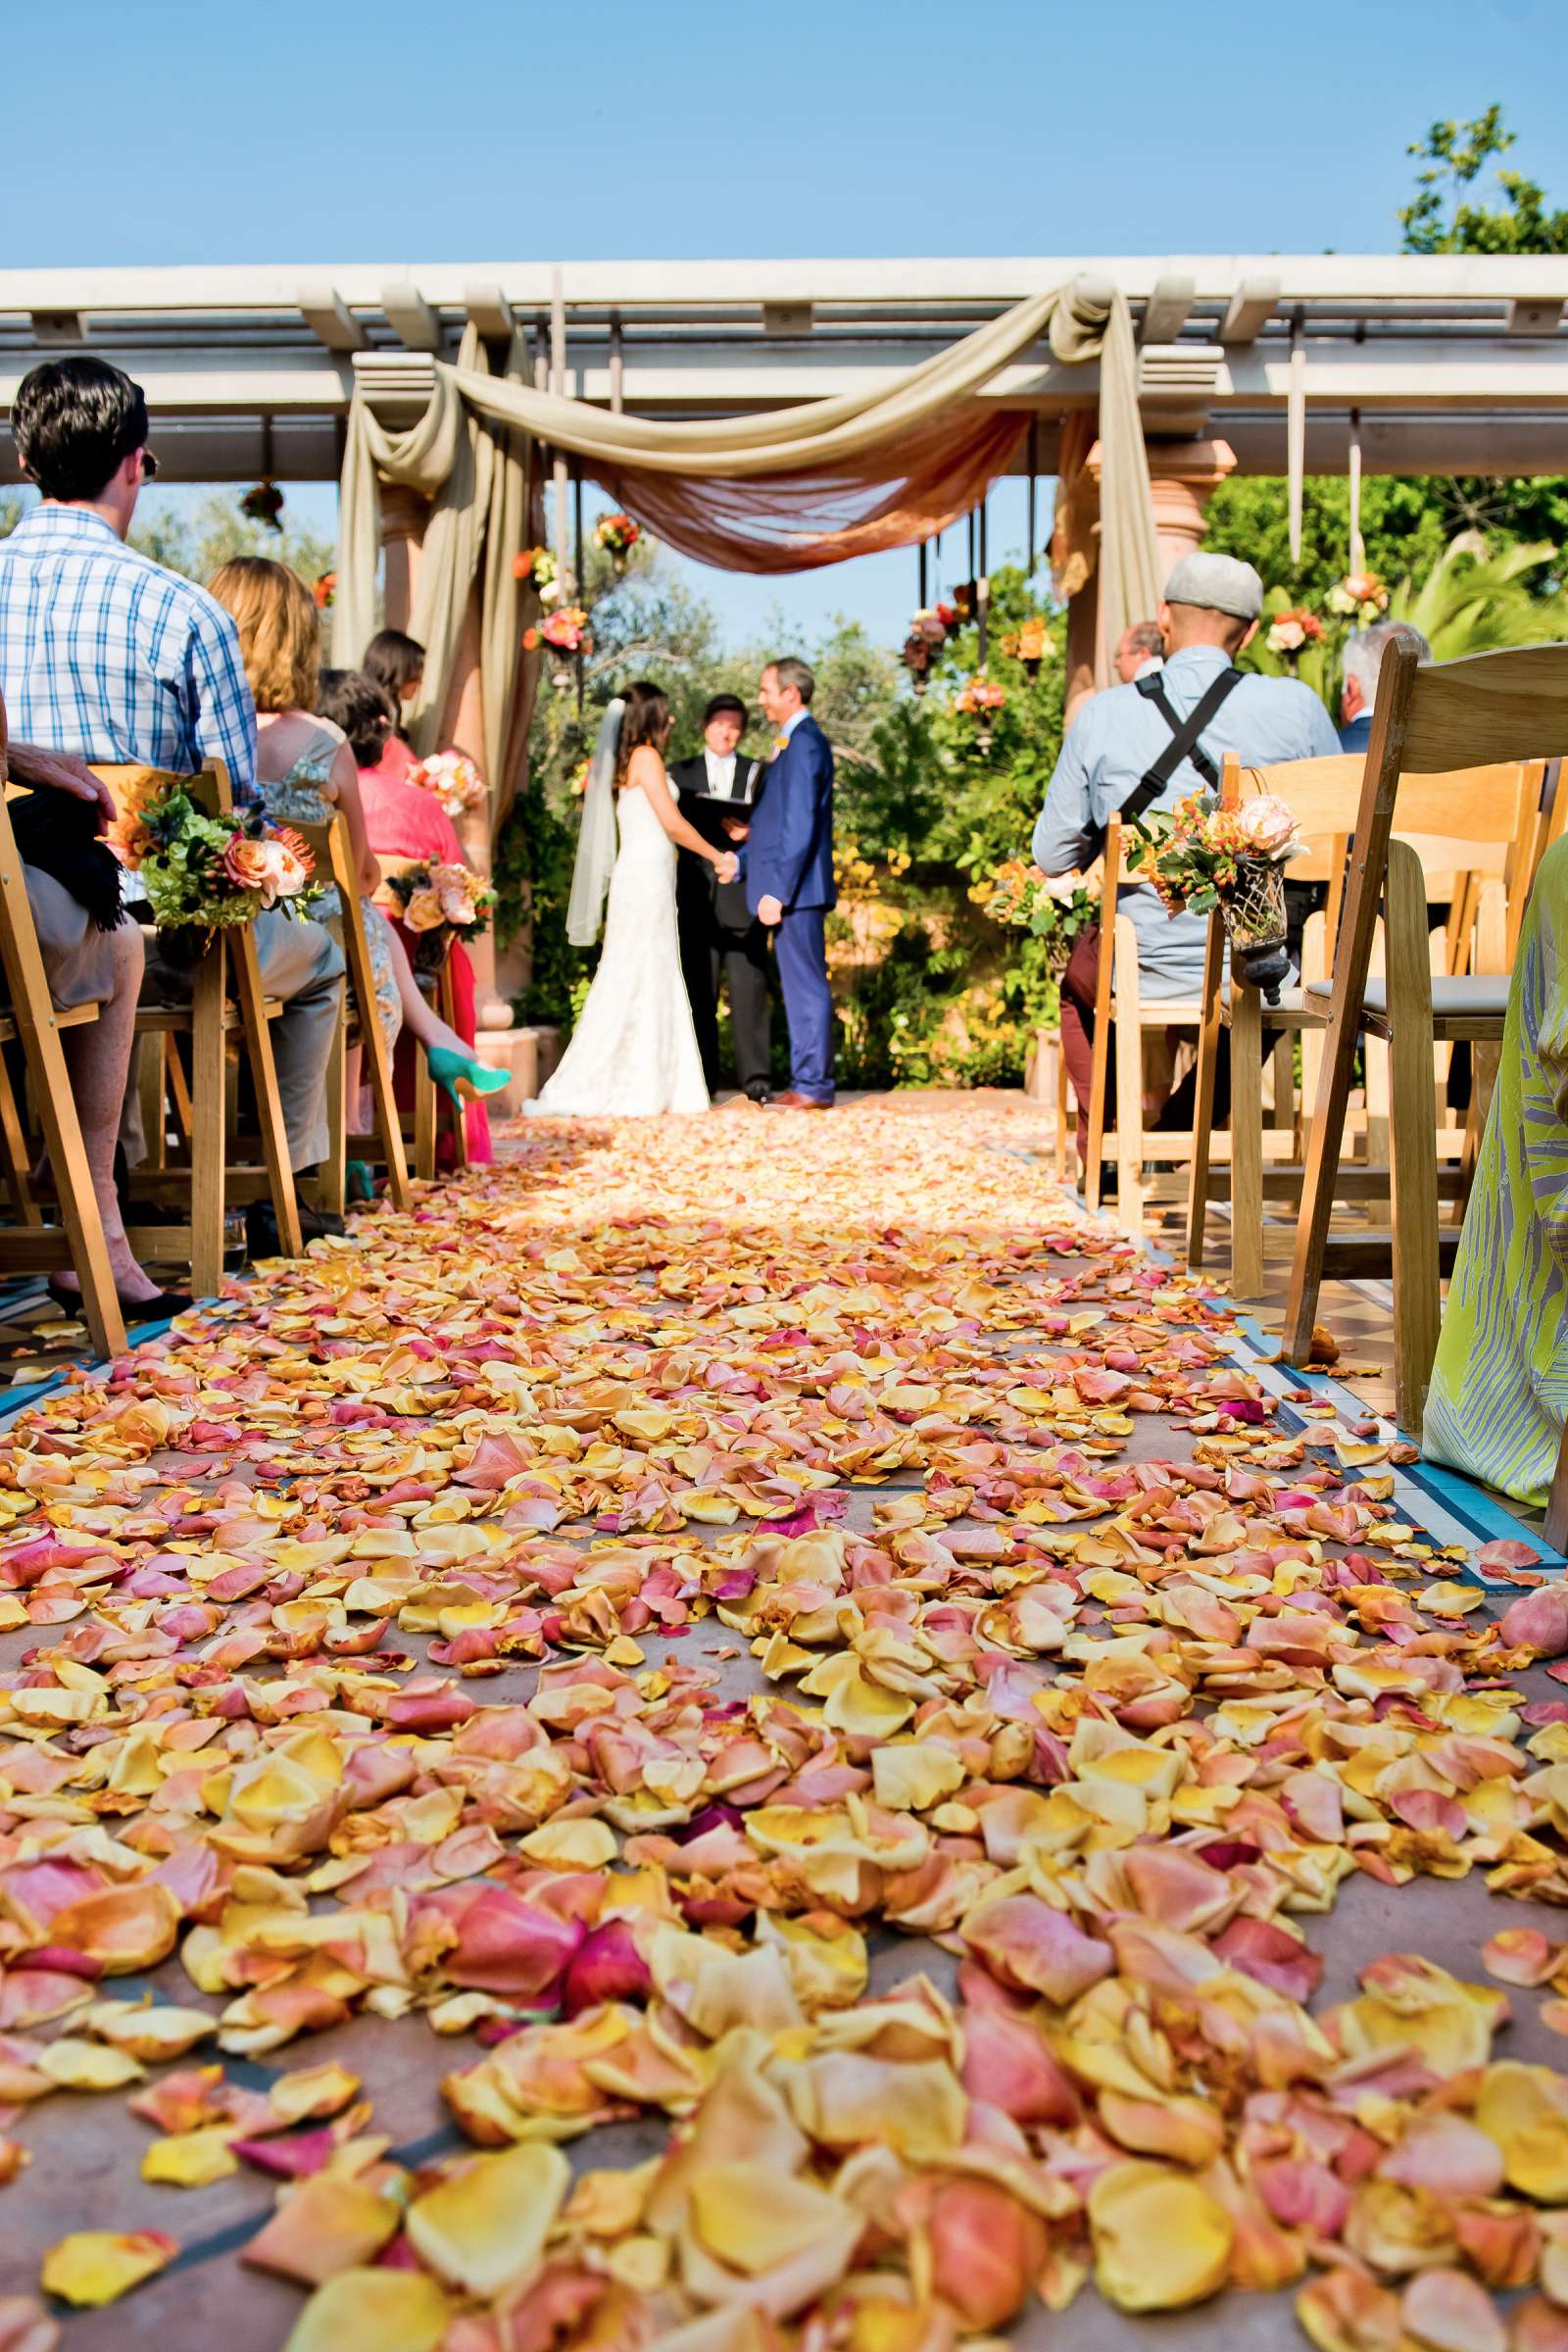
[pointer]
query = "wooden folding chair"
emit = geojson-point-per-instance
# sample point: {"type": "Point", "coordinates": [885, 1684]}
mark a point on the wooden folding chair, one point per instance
{"type": "Point", "coordinates": [334, 864]}
{"type": "Point", "coordinates": [211, 1022]}
{"type": "Point", "coordinates": [1502, 844]}
{"type": "Point", "coordinates": [32, 1246]}
{"type": "Point", "coordinates": [1429, 722]}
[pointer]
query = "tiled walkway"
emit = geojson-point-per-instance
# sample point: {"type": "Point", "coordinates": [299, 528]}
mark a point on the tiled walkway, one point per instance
{"type": "Point", "coordinates": [590, 1551]}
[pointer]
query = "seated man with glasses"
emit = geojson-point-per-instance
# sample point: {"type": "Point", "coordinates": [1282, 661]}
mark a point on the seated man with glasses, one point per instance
{"type": "Point", "coordinates": [106, 656]}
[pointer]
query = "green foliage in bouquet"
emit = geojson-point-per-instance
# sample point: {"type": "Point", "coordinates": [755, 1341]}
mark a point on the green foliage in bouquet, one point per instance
{"type": "Point", "coordinates": [210, 873]}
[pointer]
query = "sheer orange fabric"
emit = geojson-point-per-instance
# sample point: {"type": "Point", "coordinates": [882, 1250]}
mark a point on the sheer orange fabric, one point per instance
{"type": "Point", "coordinates": [822, 514]}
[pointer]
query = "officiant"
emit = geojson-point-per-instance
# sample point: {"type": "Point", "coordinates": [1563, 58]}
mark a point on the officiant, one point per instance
{"type": "Point", "coordinates": [719, 940]}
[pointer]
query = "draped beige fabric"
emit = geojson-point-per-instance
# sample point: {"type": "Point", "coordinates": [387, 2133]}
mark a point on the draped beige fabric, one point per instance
{"type": "Point", "coordinates": [786, 491]}
{"type": "Point", "coordinates": [475, 471]}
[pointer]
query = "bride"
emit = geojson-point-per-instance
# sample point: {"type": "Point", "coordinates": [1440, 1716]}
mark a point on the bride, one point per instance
{"type": "Point", "coordinates": [634, 1053]}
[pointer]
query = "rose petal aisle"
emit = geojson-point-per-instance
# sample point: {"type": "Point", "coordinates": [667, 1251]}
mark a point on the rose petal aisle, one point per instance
{"type": "Point", "coordinates": [747, 1733]}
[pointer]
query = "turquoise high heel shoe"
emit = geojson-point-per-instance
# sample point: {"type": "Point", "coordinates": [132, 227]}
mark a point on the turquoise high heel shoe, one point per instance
{"type": "Point", "coordinates": [462, 1080]}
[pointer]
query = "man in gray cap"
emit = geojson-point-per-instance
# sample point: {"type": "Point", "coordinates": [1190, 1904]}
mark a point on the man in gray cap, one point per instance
{"type": "Point", "coordinates": [1148, 745]}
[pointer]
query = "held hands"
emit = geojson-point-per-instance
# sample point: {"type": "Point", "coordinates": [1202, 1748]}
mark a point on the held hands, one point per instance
{"type": "Point", "coordinates": [727, 866]}
{"type": "Point", "coordinates": [769, 913]}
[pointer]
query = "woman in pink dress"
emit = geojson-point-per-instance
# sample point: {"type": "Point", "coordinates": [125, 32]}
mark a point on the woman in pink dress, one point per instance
{"type": "Point", "coordinates": [395, 662]}
{"type": "Point", "coordinates": [406, 826]}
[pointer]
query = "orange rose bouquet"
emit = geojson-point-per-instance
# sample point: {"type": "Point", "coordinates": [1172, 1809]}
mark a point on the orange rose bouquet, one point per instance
{"type": "Point", "coordinates": [440, 903]}
{"type": "Point", "coordinates": [208, 873]}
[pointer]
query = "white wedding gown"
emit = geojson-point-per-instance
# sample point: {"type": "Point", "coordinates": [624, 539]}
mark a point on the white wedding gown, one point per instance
{"type": "Point", "coordinates": [634, 1055]}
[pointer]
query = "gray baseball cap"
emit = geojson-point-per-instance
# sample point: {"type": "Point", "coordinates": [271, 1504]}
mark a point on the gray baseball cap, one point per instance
{"type": "Point", "coordinates": [1219, 583]}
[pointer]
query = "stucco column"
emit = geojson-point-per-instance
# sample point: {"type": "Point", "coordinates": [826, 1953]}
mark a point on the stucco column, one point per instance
{"type": "Point", "coordinates": [404, 516]}
{"type": "Point", "coordinates": [1183, 477]}
{"type": "Point", "coordinates": [463, 729]}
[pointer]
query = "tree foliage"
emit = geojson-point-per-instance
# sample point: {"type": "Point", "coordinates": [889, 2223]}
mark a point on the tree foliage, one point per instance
{"type": "Point", "coordinates": [1442, 218]}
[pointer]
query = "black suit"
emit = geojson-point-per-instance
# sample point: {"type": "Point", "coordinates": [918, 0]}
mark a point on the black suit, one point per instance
{"type": "Point", "coordinates": [718, 937]}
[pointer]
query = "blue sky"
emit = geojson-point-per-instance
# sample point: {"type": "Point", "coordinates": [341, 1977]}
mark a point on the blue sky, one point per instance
{"type": "Point", "coordinates": [329, 131]}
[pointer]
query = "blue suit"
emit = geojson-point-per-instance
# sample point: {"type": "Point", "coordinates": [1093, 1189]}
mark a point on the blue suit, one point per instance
{"type": "Point", "coordinates": [789, 856]}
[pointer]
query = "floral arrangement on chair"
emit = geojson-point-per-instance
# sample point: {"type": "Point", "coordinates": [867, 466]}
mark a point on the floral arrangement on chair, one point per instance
{"type": "Point", "coordinates": [1054, 908]}
{"type": "Point", "coordinates": [616, 535]}
{"type": "Point", "coordinates": [323, 590]}
{"type": "Point", "coordinates": [440, 903]}
{"type": "Point", "coordinates": [537, 567]}
{"type": "Point", "coordinates": [1360, 597]}
{"type": "Point", "coordinates": [1200, 856]}
{"type": "Point", "coordinates": [454, 779]}
{"type": "Point", "coordinates": [210, 873]}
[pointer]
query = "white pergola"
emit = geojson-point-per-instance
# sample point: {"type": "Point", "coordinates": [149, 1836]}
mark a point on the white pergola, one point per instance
{"type": "Point", "coordinates": [1444, 364]}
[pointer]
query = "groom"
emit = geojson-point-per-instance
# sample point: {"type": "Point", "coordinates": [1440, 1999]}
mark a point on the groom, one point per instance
{"type": "Point", "coordinates": [789, 876]}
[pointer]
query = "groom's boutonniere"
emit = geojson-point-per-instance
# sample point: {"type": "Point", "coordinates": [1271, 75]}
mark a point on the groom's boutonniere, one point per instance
{"type": "Point", "coordinates": [781, 742]}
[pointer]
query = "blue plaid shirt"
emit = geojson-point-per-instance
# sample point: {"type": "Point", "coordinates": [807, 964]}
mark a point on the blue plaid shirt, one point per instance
{"type": "Point", "coordinates": [106, 653]}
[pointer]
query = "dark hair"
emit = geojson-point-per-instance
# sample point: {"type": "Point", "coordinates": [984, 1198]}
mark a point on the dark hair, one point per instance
{"type": "Point", "coordinates": [645, 718]}
{"type": "Point", "coordinates": [359, 706]}
{"type": "Point", "coordinates": [792, 671]}
{"type": "Point", "coordinates": [74, 422]}
{"type": "Point", "coordinates": [392, 661]}
{"type": "Point", "coordinates": [719, 703]}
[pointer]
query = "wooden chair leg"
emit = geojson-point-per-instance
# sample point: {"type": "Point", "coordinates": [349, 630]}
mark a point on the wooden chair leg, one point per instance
{"type": "Point", "coordinates": [1099, 1071]}
{"type": "Point", "coordinates": [1246, 1141]}
{"type": "Point", "coordinates": [178, 1088]}
{"type": "Point", "coordinates": [1058, 1150]}
{"type": "Point", "coordinates": [251, 1000]}
{"type": "Point", "coordinates": [14, 1153]}
{"type": "Point", "coordinates": [208, 1139]}
{"type": "Point", "coordinates": [424, 1121]}
{"type": "Point", "coordinates": [1557, 1502]}
{"type": "Point", "coordinates": [1208, 1038]}
{"type": "Point", "coordinates": [1412, 1141]}
{"type": "Point", "coordinates": [333, 1177]}
{"type": "Point", "coordinates": [457, 1115]}
{"type": "Point", "coordinates": [1129, 1084]}
{"type": "Point", "coordinates": [374, 1060]}
{"type": "Point", "coordinates": [151, 1064]}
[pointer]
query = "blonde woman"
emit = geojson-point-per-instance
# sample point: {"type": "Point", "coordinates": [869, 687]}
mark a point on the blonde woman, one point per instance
{"type": "Point", "coordinates": [306, 774]}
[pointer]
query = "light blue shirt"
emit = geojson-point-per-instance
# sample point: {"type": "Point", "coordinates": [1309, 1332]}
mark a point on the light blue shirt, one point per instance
{"type": "Point", "coordinates": [106, 653]}
{"type": "Point", "coordinates": [1114, 743]}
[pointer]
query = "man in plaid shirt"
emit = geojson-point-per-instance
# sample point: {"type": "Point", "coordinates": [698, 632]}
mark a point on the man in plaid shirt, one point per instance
{"type": "Point", "coordinates": [106, 656]}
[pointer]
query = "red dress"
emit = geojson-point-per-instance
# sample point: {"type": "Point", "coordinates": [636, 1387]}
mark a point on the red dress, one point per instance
{"type": "Point", "coordinates": [406, 826]}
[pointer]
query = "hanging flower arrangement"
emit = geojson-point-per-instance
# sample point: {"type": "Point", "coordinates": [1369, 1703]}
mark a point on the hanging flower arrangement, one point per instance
{"type": "Point", "coordinates": [537, 567]}
{"type": "Point", "coordinates": [205, 873]}
{"type": "Point", "coordinates": [617, 535]}
{"type": "Point", "coordinates": [1360, 597]}
{"type": "Point", "coordinates": [264, 504]}
{"type": "Point", "coordinates": [1054, 908]}
{"type": "Point", "coordinates": [1200, 856]}
{"type": "Point", "coordinates": [323, 590]}
{"type": "Point", "coordinates": [981, 702]}
{"type": "Point", "coordinates": [1031, 644]}
{"type": "Point", "coordinates": [928, 634]}
{"type": "Point", "coordinates": [440, 903]}
{"type": "Point", "coordinates": [1291, 632]}
{"type": "Point", "coordinates": [454, 780]}
{"type": "Point", "coordinates": [563, 636]}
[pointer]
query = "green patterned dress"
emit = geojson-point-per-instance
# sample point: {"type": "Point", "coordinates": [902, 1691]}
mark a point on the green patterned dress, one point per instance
{"type": "Point", "coordinates": [298, 799]}
{"type": "Point", "coordinates": [1499, 1386]}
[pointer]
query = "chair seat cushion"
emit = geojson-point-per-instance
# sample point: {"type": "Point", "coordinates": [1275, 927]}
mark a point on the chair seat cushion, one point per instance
{"type": "Point", "coordinates": [1482, 997]}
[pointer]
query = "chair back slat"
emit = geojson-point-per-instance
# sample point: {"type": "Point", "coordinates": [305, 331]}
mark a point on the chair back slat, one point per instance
{"type": "Point", "coordinates": [1506, 706]}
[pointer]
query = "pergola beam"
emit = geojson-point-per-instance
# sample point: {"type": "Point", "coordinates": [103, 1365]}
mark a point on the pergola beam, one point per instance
{"type": "Point", "coordinates": [1168, 308]}
{"type": "Point", "coordinates": [1250, 308]}
{"type": "Point", "coordinates": [329, 319]}
{"type": "Point", "coordinates": [411, 317]}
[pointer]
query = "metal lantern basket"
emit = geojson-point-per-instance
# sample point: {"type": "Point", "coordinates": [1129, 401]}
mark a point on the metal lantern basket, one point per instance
{"type": "Point", "coordinates": [1253, 912]}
